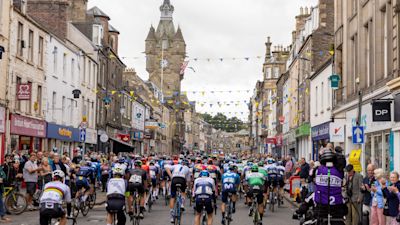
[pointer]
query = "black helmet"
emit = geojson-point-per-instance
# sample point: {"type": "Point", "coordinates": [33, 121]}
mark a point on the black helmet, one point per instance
{"type": "Point", "coordinates": [327, 155]}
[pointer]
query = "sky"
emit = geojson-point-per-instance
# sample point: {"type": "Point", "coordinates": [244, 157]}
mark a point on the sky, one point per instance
{"type": "Point", "coordinates": [225, 43]}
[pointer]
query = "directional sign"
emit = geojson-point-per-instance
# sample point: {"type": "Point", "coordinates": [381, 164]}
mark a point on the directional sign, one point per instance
{"type": "Point", "coordinates": [82, 134]}
{"type": "Point", "coordinates": [358, 135]}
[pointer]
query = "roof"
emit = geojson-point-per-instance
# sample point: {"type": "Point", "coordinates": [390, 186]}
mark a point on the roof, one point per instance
{"type": "Point", "coordinates": [95, 11]}
{"type": "Point", "coordinates": [178, 34]}
{"type": "Point", "coordinates": [112, 29]}
{"type": "Point", "coordinates": [152, 34]}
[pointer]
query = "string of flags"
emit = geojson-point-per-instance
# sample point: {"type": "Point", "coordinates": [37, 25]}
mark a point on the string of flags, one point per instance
{"type": "Point", "coordinates": [207, 59]}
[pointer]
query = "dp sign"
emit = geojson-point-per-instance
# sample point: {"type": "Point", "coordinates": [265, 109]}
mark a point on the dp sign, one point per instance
{"type": "Point", "coordinates": [381, 111]}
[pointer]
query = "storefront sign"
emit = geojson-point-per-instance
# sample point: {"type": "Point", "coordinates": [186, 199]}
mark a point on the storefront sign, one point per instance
{"type": "Point", "coordinates": [124, 137]}
{"type": "Point", "coordinates": [2, 119]}
{"type": "Point", "coordinates": [21, 125]}
{"type": "Point", "coordinates": [279, 140]}
{"type": "Point", "coordinates": [62, 133]}
{"type": "Point", "coordinates": [381, 111]}
{"type": "Point", "coordinates": [320, 132]}
{"type": "Point", "coordinates": [335, 79]}
{"type": "Point", "coordinates": [24, 91]}
{"type": "Point", "coordinates": [270, 141]}
{"type": "Point", "coordinates": [354, 159]}
{"type": "Point", "coordinates": [151, 125]}
{"type": "Point", "coordinates": [91, 136]}
{"type": "Point", "coordinates": [138, 135]}
{"type": "Point", "coordinates": [336, 132]}
{"type": "Point", "coordinates": [303, 130]}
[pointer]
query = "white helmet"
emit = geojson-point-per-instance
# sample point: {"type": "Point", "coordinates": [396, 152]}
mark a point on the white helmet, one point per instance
{"type": "Point", "coordinates": [118, 170]}
{"type": "Point", "coordinates": [58, 173]}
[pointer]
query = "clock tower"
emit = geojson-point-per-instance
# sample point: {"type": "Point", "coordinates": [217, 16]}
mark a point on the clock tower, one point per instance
{"type": "Point", "coordinates": [165, 53]}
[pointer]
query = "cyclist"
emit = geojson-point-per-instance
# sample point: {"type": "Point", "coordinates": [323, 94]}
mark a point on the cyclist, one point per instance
{"type": "Point", "coordinates": [246, 172]}
{"type": "Point", "coordinates": [198, 167]}
{"type": "Point", "coordinates": [85, 179]}
{"type": "Point", "coordinates": [116, 188]}
{"type": "Point", "coordinates": [215, 173]}
{"type": "Point", "coordinates": [137, 181]}
{"type": "Point", "coordinates": [272, 181]}
{"type": "Point", "coordinates": [204, 194]}
{"type": "Point", "coordinates": [281, 179]}
{"type": "Point", "coordinates": [179, 175]}
{"type": "Point", "coordinates": [230, 184]}
{"type": "Point", "coordinates": [154, 176]}
{"type": "Point", "coordinates": [256, 182]}
{"type": "Point", "coordinates": [54, 194]}
{"type": "Point", "coordinates": [264, 172]}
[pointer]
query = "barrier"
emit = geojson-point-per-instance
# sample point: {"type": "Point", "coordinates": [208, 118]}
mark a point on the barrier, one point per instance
{"type": "Point", "coordinates": [295, 185]}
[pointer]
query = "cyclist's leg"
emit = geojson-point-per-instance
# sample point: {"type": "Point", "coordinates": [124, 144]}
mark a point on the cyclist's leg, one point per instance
{"type": "Point", "coordinates": [210, 210]}
{"type": "Point", "coordinates": [173, 194]}
{"type": "Point", "coordinates": [224, 198]}
{"type": "Point", "coordinates": [142, 195]}
{"type": "Point", "coordinates": [260, 200]}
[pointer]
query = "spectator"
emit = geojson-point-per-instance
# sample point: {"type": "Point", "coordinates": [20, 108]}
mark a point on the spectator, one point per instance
{"type": "Point", "coordinates": [392, 199]}
{"type": "Point", "coordinates": [30, 174]}
{"type": "Point", "coordinates": [57, 164]}
{"type": "Point", "coordinates": [10, 168]}
{"type": "Point", "coordinates": [45, 174]}
{"type": "Point", "coordinates": [377, 204]}
{"type": "Point", "coordinates": [288, 167]}
{"type": "Point", "coordinates": [354, 182]}
{"type": "Point", "coordinates": [305, 169]}
{"type": "Point", "coordinates": [2, 209]}
{"type": "Point", "coordinates": [105, 168]}
{"type": "Point", "coordinates": [366, 190]}
{"type": "Point", "coordinates": [310, 181]}
{"type": "Point", "coordinates": [66, 161]}
{"type": "Point", "coordinates": [77, 158]}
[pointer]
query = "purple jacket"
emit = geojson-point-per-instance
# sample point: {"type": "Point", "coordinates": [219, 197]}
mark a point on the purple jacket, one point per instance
{"type": "Point", "coordinates": [335, 190]}
{"type": "Point", "coordinates": [398, 195]}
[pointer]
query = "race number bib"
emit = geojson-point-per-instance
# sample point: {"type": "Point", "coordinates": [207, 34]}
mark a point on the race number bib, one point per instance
{"type": "Point", "coordinates": [152, 173]}
{"type": "Point", "coordinates": [135, 179]}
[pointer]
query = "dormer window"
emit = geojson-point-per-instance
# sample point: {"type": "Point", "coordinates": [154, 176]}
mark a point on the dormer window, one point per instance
{"type": "Point", "coordinates": [112, 42]}
{"type": "Point", "coordinates": [97, 34]}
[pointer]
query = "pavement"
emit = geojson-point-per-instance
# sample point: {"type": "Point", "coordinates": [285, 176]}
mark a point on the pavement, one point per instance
{"type": "Point", "coordinates": [160, 215]}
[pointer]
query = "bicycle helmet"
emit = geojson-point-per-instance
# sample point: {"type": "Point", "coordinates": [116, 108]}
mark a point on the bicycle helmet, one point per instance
{"type": "Point", "coordinates": [121, 160]}
{"type": "Point", "coordinates": [204, 173]}
{"type": "Point", "coordinates": [138, 163]}
{"type": "Point", "coordinates": [280, 163]}
{"type": "Point", "coordinates": [58, 173]}
{"type": "Point", "coordinates": [232, 167]}
{"type": "Point", "coordinates": [118, 170]}
{"type": "Point", "coordinates": [261, 163]}
{"type": "Point", "coordinates": [254, 168]}
{"type": "Point", "coordinates": [270, 161]}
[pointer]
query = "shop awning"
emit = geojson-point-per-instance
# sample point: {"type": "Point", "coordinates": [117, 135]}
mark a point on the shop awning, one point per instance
{"type": "Point", "coordinates": [120, 146]}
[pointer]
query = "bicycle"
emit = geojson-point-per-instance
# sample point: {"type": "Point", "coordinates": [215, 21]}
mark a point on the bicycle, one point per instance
{"type": "Point", "coordinates": [167, 191]}
{"type": "Point", "coordinates": [228, 210]}
{"type": "Point", "coordinates": [92, 199]}
{"type": "Point", "coordinates": [79, 205]}
{"type": "Point", "coordinates": [150, 199]}
{"type": "Point", "coordinates": [135, 218]}
{"type": "Point", "coordinates": [57, 221]}
{"type": "Point", "coordinates": [15, 202]}
{"type": "Point", "coordinates": [177, 207]}
{"type": "Point", "coordinates": [204, 216]}
{"type": "Point", "coordinates": [272, 200]}
{"type": "Point", "coordinates": [256, 214]}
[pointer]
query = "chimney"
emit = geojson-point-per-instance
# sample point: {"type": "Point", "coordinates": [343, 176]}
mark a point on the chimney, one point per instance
{"type": "Point", "coordinates": [306, 11]}
{"type": "Point", "coordinates": [268, 45]}
{"type": "Point", "coordinates": [301, 11]}
{"type": "Point", "coordinates": [77, 10]}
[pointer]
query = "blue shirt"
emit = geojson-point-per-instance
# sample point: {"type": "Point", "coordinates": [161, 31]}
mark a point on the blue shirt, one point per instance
{"type": "Point", "coordinates": [85, 171]}
{"type": "Point", "coordinates": [230, 180]}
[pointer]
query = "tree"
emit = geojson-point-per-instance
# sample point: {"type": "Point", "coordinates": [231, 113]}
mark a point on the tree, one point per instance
{"type": "Point", "coordinates": [221, 122]}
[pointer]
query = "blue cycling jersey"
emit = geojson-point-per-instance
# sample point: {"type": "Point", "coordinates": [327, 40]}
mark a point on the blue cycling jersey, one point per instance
{"type": "Point", "coordinates": [86, 172]}
{"type": "Point", "coordinates": [230, 180]}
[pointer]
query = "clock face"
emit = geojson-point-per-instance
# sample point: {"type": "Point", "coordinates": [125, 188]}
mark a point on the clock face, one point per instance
{"type": "Point", "coordinates": [164, 63]}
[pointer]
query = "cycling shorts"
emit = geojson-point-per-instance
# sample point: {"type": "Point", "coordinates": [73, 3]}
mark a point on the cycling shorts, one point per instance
{"type": "Point", "coordinates": [177, 181]}
{"type": "Point", "coordinates": [115, 203]}
{"type": "Point", "coordinates": [225, 194]}
{"type": "Point", "coordinates": [206, 203]}
{"type": "Point", "coordinates": [165, 176]}
{"type": "Point", "coordinates": [154, 182]}
{"type": "Point", "coordinates": [50, 211]}
{"type": "Point", "coordinates": [272, 180]}
{"type": "Point", "coordinates": [281, 182]}
{"type": "Point", "coordinates": [259, 192]}
{"type": "Point", "coordinates": [139, 187]}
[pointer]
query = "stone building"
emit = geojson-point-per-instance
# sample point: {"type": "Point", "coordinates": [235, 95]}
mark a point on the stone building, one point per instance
{"type": "Point", "coordinates": [4, 57]}
{"type": "Point", "coordinates": [26, 81]}
{"type": "Point", "coordinates": [367, 60]}
{"type": "Point", "coordinates": [165, 54]}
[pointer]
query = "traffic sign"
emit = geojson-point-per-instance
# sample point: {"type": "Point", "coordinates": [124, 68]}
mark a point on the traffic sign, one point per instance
{"type": "Point", "coordinates": [358, 135]}
{"type": "Point", "coordinates": [82, 134]}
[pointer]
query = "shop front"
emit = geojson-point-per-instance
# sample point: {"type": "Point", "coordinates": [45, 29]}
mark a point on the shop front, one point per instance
{"type": "Point", "coordinates": [289, 143]}
{"type": "Point", "coordinates": [91, 139]}
{"type": "Point", "coordinates": [320, 138]}
{"type": "Point", "coordinates": [138, 144]}
{"type": "Point", "coordinates": [2, 133]}
{"type": "Point", "coordinates": [27, 133]}
{"type": "Point", "coordinates": [62, 138]}
{"type": "Point", "coordinates": [303, 141]}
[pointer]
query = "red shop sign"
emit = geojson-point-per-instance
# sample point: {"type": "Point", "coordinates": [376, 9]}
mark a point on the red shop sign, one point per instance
{"type": "Point", "coordinates": [27, 126]}
{"type": "Point", "coordinates": [24, 91]}
{"type": "Point", "coordinates": [271, 141]}
{"type": "Point", "coordinates": [124, 137]}
{"type": "Point", "coordinates": [279, 140]}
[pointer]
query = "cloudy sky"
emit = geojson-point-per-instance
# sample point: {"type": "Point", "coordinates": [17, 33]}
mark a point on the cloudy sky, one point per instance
{"type": "Point", "coordinates": [234, 30]}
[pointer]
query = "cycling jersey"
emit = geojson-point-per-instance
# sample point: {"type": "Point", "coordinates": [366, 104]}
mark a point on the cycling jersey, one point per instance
{"type": "Point", "coordinates": [153, 171]}
{"type": "Point", "coordinates": [116, 186]}
{"type": "Point", "coordinates": [214, 171]}
{"type": "Point", "coordinates": [179, 171]}
{"type": "Point", "coordinates": [230, 180]}
{"type": "Point", "coordinates": [56, 192]}
{"type": "Point", "coordinates": [281, 171]}
{"type": "Point", "coordinates": [86, 172]}
{"type": "Point", "coordinates": [331, 194]}
{"type": "Point", "coordinates": [255, 179]}
{"type": "Point", "coordinates": [137, 176]}
{"type": "Point", "coordinates": [203, 187]}
{"type": "Point", "coordinates": [197, 169]}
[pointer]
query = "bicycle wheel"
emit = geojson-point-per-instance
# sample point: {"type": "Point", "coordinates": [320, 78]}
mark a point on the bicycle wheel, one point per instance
{"type": "Point", "coordinates": [15, 203]}
{"type": "Point", "coordinates": [92, 200]}
{"type": "Point", "coordinates": [256, 217]}
{"type": "Point", "coordinates": [85, 207]}
{"type": "Point", "coordinates": [75, 208]}
{"type": "Point", "coordinates": [204, 220]}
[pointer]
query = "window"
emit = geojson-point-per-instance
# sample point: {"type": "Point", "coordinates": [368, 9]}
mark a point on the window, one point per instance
{"type": "Point", "coordinates": [65, 67]}
{"type": "Point", "coordinates": [20, 40]}
{"type": "Point", "coordinates": [40, 51]}
{"type": "Point", "coordinates": [83, 107]}
{"type": "Point", "coordinates": [276, 72]}
{"type": "Point", "coordinates": [30, 46]}
{"type": "Point", "coordinates": [385, 62]}
{"type": "Point", "coordinates": [92, 113]}
{"type": "Point", "coordinates": [94, 75]}
{"type": "Point", "coordinates": [354, 64]}
{"type": "Point", "coordinates": [39, 100]}
{"type": "Point", "coordinates": [17, 102]}
{"type": "Point", "coordinates": [71, 110]}
{"type": "Point", "coordinates": [29, 102]}
{"type": "Point", "coordinates": [354, 6]}
{"type": "Point", "coordinates": [89, 73]}
{"type": "Point", "coordinates": [84, 70]}
{"type": "Point", "coordinates": [55, 53]}
{"type": "Point", "coordinates": [63, 120]}
{"type": "Point", "coordinates": [53, 105]}
{"type": "Point", "coordinates": [268, 73]}
{"type": "Point", "coordinates": [97, 34]}
{"type": "Point", "coordinates": [73, 71]}
{"type": "Point", "coordinates": [322, 97]}
{"type": "Point", "coordinates": [369, 39]}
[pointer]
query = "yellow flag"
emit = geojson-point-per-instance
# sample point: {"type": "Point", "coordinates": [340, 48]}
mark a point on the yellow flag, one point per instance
{"type": "Point", "coordinates": [113, 92]}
